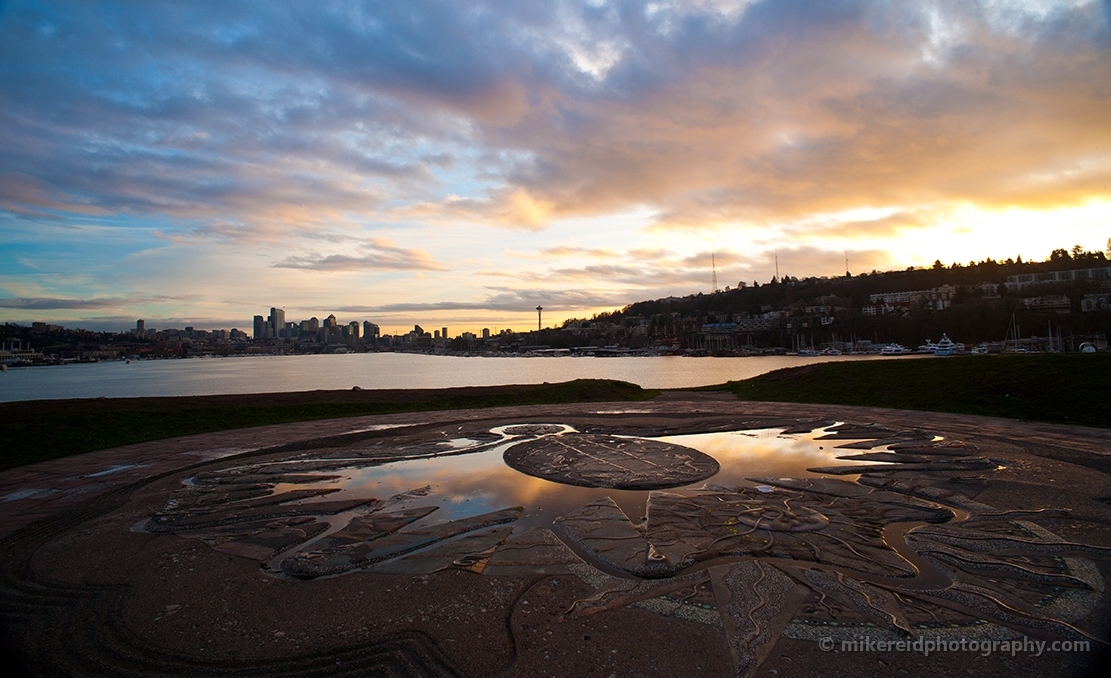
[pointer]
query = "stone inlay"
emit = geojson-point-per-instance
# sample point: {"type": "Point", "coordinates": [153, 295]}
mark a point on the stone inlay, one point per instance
{"type": "Point", "coordinates": [914, 548]}
{"type": "Point", "coordinates": [621, 463]}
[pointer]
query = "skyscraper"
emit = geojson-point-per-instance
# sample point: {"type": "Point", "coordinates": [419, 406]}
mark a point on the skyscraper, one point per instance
{"type": "Point", "coordinates": [277, 322]}
{"type": "Point", "coordinates": [261, 328]}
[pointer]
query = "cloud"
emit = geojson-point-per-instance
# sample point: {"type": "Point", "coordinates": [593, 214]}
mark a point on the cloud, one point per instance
{"type": "Point", "coordinates": [380, 255]}
{"type": "Point", "coordinates": [60, 303]}
{"type": "Point", "coordinates": [47, 303]}
{"type": "Point", "coordinates": [274, 119]}
{"type": "Point", "coordinates": [806, 261]}
{"type": "Point", "coordinates": [315, 130]}
{"type": "Point", "coordinates": [506, 300]}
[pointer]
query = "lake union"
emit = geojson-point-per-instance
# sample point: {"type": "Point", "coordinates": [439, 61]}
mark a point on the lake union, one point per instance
{"type": "Point", "coordinates": [279, 374]}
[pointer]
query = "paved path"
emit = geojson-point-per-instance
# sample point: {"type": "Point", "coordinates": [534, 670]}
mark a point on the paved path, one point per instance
{"type": "Point", "coordinates": [89, 596]}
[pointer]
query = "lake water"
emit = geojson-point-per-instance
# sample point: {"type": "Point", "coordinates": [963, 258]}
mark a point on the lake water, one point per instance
{"type": "Point", "coordinates": [276, 374]}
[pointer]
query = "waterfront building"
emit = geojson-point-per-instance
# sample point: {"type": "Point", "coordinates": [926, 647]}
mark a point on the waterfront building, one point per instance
{"type": "Point", "coordinates": [330, 329]}
{"type": "Point", "coordinates": [277, 322]}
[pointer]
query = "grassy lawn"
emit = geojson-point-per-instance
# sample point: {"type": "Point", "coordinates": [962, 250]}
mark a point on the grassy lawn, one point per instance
{"type": "Point", "coordinates": [1068, 389]}
{"type": "Point", "coordinates": [46, 429]}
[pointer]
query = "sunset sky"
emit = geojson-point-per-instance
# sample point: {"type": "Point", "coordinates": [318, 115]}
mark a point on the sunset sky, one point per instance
{"type": "Point", "coordinates": [457, 163]}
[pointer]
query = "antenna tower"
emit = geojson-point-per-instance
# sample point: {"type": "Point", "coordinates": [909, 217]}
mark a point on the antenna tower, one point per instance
{"type": "Point", "coordinates": [714, 278]}
{"type": "Point", "coordinates": [777, 265]}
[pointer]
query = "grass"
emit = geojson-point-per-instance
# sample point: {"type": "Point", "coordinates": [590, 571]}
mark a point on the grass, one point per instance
{"type": "Point", "coordinates": [1069, 389]}
{"type": "Point", "coordinates": [1066, 389]}
{"type": "Point", "coordinates": [48, 429]}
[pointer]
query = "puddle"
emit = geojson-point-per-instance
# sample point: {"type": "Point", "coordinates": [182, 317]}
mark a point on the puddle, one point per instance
{"type": "Point", "coordinates": [114, 469]}
{"type": "Point", "coordinates": [382, 427]}
{"type": "Point", "coordinates": [466, 484]}
{"type": "Point", "coordinates": [28, 493]}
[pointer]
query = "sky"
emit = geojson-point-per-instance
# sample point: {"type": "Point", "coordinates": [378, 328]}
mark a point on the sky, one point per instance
{"type": "Point", "coordinates": [459, 163]}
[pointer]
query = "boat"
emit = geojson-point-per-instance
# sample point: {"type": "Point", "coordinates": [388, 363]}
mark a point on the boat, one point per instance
{"type": "Point", "coordinates": [926, 348]}
{"type": "Point", "coordinates": [979, 349]}
{"type": "Point", "coordinates": [894, 349]}
{"type": "Point", "coordinates": [1088, 347]}
{"type": "Point", "coordinates": [945, 347]}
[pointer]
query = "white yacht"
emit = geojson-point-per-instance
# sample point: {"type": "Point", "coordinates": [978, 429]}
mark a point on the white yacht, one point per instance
{"type": "Point", "coordinates": [946, 346]}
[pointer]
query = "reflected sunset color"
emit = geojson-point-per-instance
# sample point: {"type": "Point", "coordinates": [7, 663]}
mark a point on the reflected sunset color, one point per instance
{"type": "Point", "coordinates": [465, 485]}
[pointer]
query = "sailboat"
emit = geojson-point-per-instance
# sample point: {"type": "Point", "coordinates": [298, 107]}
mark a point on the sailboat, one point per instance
{"type": "Point", "coordinates": [1011, 345]}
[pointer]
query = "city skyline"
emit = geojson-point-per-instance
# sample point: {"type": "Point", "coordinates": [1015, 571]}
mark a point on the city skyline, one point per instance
{"type": "Point", "coordinates": [462, 165]}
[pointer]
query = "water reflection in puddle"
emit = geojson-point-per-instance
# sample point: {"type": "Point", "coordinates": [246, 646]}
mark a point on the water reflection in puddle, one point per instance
{"type": "Point", "coordinates": [464, 485]}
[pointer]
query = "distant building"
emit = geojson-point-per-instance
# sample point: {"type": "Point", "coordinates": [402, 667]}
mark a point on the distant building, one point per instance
{"type": "Point", "coordinates": [1017, 283]}
{"type": "Point", "coordinates": [260, 328]}
{"type": "Point", "coordinates": [140, 327]}
{"type": "Point", "coordinates": [277, 322]}
{"type": "Point", "coordinates": [1052, 303]}
{"type": "Point", "coordinates": [1095, 302]}
{"type": "Point", "coordinates": [937, 299]}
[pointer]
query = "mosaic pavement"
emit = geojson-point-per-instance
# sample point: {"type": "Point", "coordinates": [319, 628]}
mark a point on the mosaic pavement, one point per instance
{"type": "Point", "coordinates": [902, 541]}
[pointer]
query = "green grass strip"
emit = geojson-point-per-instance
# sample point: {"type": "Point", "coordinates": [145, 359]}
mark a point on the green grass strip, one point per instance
{"type": "Point", "coordinates": [48, 429]}
{"type": "Point", "coordinates": [1066, 389]}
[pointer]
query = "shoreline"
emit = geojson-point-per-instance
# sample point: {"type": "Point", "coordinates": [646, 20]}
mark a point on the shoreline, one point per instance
{"type": "Point", "coordinates": [1068, 389]}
